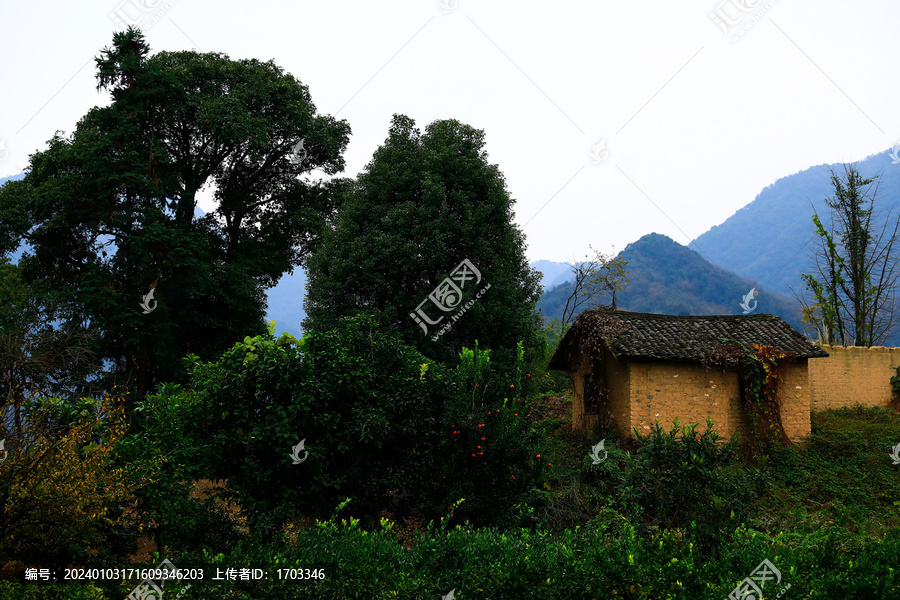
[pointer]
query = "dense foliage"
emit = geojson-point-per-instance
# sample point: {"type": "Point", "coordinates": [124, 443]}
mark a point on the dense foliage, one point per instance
{"type": "Point", "coordinates": [423, 205]}
{"type": "Point", "coordinates": [381, 424]}
{"type": "Point", "coordinates": [61, 491]}
{"type": "Point", "coordinates": [109, 211]}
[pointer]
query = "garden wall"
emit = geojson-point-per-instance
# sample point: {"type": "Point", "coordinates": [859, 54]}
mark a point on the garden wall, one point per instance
{"type": "Point", "coordinates": [852, 375]}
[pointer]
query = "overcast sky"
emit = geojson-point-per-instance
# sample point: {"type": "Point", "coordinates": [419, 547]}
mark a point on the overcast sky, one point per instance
{"type": "Point", "coordinates": [694, 120]}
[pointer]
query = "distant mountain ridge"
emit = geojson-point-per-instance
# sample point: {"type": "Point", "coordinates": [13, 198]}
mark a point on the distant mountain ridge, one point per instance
{"type": "Point", "coordinates": [668, 278]}
{"type": "Point", "coordinates": [772, 238]}
{"type": "Point", "coordinates": [554, 273]}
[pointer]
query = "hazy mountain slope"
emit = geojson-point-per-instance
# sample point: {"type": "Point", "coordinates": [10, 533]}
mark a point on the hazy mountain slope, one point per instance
{"type": "Point", "coordinates": [554, 273]}
{"type": "Point", "coordinates": [772, 238]}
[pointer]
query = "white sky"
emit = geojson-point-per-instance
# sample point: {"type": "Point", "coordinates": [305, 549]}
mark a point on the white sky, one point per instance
{"type": "Point", "coordinates": [695, 124]}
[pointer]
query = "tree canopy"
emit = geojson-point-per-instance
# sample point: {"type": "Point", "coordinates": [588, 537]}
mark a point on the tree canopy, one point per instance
{"type": "Point", "coordinates": [109, 211]}
{"type": "Point", "coordinates": [421, 207]}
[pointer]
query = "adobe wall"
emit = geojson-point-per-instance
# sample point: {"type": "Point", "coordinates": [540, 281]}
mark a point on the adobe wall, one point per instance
{"type": "Point", "coordinates": [852, 375]}
{"type": "Point", "coordinates": [794, 394]}
{"type": "Point", "coordinates": [618, 386]}
{"type": "Point", "coordinates": [617, 377]}
{"type": "Point", "coordinates": [580, 421]}
{"type": "Point", "coordinates": [661, 391]}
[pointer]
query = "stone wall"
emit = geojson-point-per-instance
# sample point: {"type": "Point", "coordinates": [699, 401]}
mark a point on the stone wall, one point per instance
{"type": "Point", "coordinates": [852, 375]}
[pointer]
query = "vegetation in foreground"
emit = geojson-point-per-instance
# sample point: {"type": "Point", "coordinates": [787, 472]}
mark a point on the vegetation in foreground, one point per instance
{"type": "Point", "coordinates": [675, 514]}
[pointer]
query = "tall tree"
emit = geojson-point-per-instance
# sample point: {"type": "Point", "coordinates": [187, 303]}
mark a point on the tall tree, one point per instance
{"type": "Point", "coordinates": [37, 360]}
{"type": "Point", "coordinates": [856, 266]}
{"type": "Point", "coordinates": [110, 210]}
{"type": "Point", "coordinates": [423, 206]}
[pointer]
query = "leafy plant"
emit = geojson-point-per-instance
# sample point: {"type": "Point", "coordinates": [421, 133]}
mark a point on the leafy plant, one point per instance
{"type": "Point", "coordinates": [682, 479]}
{"type": "Point", "coordinates": [61, 491]}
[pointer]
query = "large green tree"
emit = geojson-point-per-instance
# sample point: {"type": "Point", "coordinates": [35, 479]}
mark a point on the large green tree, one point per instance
{"type": "Point", "coordinates": [109, 211]}
{"type": "Point", "coordinates": [422, 206]}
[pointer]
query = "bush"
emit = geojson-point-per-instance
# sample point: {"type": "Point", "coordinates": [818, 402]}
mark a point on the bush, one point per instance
{"type": "Point", "coordinates": [10, 590]}
{"type": "Point", "coordinates": [364, 404]}
{"type": "Point", "coordinates": [61, 488]}
{"type": "Point", "coordinates": [608, 559]}
{"type": "Point", "coordinates": [491, 453]}
{"type": "Point", "coordinates": [681, 479]}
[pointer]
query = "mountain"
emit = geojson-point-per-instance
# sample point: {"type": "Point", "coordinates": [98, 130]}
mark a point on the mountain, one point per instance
{"type": "Point", "coordinates": [286, 302]}
{"type": "Point", "coordinates": [554, 273]}
{"type": "Point", "coordinates": [668, 278]}
{"type": "Point", "coordinates": [11, 178]}
{"type": "Point", "coordinates": [772, 239]}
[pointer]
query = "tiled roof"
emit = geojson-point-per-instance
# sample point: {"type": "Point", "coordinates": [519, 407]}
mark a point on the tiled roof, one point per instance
{"type": "Point", "coordinates": [674, 338]}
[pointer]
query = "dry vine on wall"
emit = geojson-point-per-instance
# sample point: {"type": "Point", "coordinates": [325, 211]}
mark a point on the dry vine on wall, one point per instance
{"type": "Point", "coordinates": [759, 370]}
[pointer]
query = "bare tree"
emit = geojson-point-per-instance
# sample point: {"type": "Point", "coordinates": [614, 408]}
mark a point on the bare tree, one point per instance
{"type": "Point", "coordinates": [595, 278]}
{"type": "Point", "coordinates": [853, 289]}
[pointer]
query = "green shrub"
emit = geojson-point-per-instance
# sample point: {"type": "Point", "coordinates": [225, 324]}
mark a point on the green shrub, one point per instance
{"type": "Point", "coordinates": [360, 400]}
{"type": "Point", "coordinates": [608, 559]}
{"type": "Point", "coordinates": [680, 479]}
{"type": "Point", "coordinates": [491, 454]}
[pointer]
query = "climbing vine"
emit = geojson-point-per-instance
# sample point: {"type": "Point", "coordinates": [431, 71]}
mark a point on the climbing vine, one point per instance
{"type": "Point", "coordinates": [759, 370]}
{"type": "Point", "coordinates": [895, 390]}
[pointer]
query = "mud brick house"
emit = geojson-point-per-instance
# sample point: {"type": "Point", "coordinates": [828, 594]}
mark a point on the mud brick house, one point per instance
{"type": "Point", "coordinates": [630, 370]}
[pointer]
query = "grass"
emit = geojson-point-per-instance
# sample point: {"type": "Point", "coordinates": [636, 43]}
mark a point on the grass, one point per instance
{"type": "Point", "coordinates": [844, 477]}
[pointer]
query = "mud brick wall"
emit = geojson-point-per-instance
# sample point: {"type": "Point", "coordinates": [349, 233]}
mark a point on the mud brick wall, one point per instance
{"type": "Point", "coordinates": [643, 392]}
{"type": "Point", "coordinates": [661, 391]}
{"type": "Point", "coordinates": [794, 394]}
{"type": "Point", "coordinates": [852, 375]}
